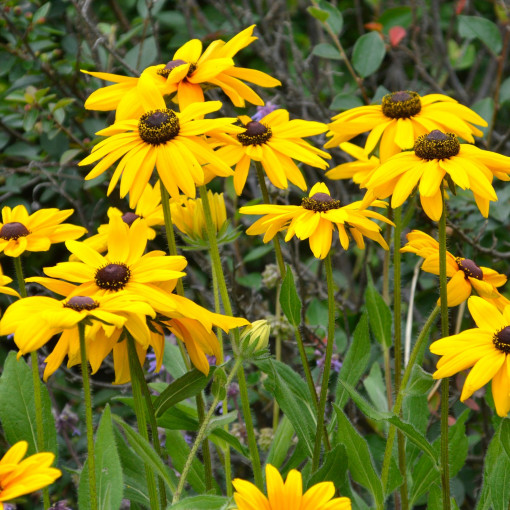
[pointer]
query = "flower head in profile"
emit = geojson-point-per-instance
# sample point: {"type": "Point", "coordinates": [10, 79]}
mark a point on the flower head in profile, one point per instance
{"type": "Point", "coordinates": [187, 74]}
{"type": "Point", "coordinates": [161, 138]}
{"type": "Point", "coordinates": [401, 118]}
{"type": "Point", "coordinates": [437, 157]}
{"type": "Point", "coordinates": [316, 219]}
{"type": "Point", "coordinates": [274, 141]}
{"type": "Point", "coordinates": [20, 231]}
{"type": "Point", "coordinates": [287, 495]}
{"type": "Point", "coordinates": [464, 274]}
{"type": "Point", "coordinates": [484, 348]}
{"type": "Point", "coordinates": [20, 476]}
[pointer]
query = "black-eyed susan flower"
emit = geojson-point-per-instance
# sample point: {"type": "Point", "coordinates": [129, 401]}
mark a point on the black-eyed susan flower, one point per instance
{"type": "Point", "coordinates": [125, 267]}
{"type": "Point", "coordinates": [287, 495]}
{"type": "Point", "coordinates": [161, 138]}
{"type": "Point", "coordinates": [186, 74]}
{"type": "Point", "coordinates": [315, 219]}
{"type": "Point", "coordinates": [275, 141]}
{"type": "Point", "coordinates": [21, 231]}
{"type": "Point", "coordinates": [437, 157]}
{"type": "Point", "coordinates": [20, 476]}
{"type": "Point", "coordinates": [4, 281]}
{"type": "Point", "coordinates": [464, 274]}
{"type": "Point", "coordinates": [188, 215]}
{"type": "Point", "coordinates": [484, 348]}
{"type": "Point", "coordinates": [401, 118]}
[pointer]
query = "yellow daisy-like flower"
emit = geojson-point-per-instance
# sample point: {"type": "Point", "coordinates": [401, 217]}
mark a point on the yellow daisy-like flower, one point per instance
{"type": "Point", "coordinates": [436, 157]}
{"type": "Point", "coordinates": [5, 280]}
{"type": "Point", "coordinates": [315, 219]}
{"type": "Point", "coordinates": [484, 348]}
{"type": "Point", "coordinates": [464, 273]}
{"type": "Point", "coordinates": [20, 231]}
{"type": "Point", "coordinates": [360, 170]}
{"type": "Point", "coordinates": [161, 138]}
{"type": "Point", "coordinates": [187, 74]}
{"type": "Point", "coordinates": [275, 141]}
{"type": "Point", "coordinates": [287, 495]}
{"type": "Point", "coordinates": [188, 215]}
{"type": "Point", "coordinates": [401, 118]}
{"type": "Point", "coordinates": [20, 476]}
{"type": "Point", "coordinates": [124, 267]}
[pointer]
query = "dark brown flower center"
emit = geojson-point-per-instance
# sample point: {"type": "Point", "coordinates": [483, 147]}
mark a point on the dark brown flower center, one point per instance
{"type": "Point", "coordinates": [158, 126]}
{"type": "Point", "coordinates": [320, 202]}
{"type": "Point", "coordinates": [401, 105]}
{"type": "Point", "coordinates": [469, 268]}
{"type": "Point", "coordinates": [436, 145]}
{"type": "Point", "coordinates": [13, 231]}
{"type": "Point", "coordinates": [255, 134]}
{"type": "Point", "coordinates": [80, 303]}
{"type": "Point", "coordinates": [501, 340]}
{"type": "Point", "coordinates": [165, 71]}
{"type": "Point", "coordinates": [113, 276]}
{"type": "Point", "coordinates": [129, 217]}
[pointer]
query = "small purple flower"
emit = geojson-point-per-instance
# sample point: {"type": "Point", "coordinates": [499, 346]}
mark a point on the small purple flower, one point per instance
{"type": "Point", "coordinates": [336, 364]}
{"type": "Point", "coordinates": [153, 363]}
{"type": "Point", "coordinates": [68, 421]}
{"type": "Point", "coordinates": [262, 111]}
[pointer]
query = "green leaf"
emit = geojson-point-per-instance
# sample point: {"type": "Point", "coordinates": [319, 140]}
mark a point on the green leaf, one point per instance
{"type": "Point", "coordinates": [173, 362]}
{"type": "Point", "coordinates": [218, 388]}
{"type": "Point", "coordinates": [397, 16]}
{"type": "Point", "coordinates": [319, 14]}
{"type": "Point", "coordinates": [289, 299]}
{"type": "Point", "coordinates": [69, 155]}
{"type": "Point", "coordinates": [344, 101]}
{"type": "Point", "coordinates": [379, 315]}
{"type": "Point", "coordinates": [189, 385]}
{"type": "Point", "coordinates": [485, 108]}
{"type": "Point", "coordinates": [419, 383]}
{"type": "Point", "coordinates": [326, 50]}
{"type": "Point", "coordinates": [504, 92]}
{"type": "Point", "coordinates": [201, 503]}
{"type": "Point", "coordinates": [30, 118]}
{"type": "Point", "coordinates": [333, 469]}
{"type": "Point", "coordinates": [251, 280]}
{"type": "Point", "coordinates": [361, 466]}
{"type": "Point", "coordinates": [356, 360]}
{"type": "Point", "coordinates": [109, 477]}
{"type": "Point", "coordinates": [294, 399]}
{"type": "Point", "coordinates": [62, 103]}
{"type": "Point", "coordinates": [375, 387]}
{"type": "Point", "coordinates": [258, 252]}
{"type": "Point", "coordinates": [41, 12]}
{"type": "Point", "coordinates": [281, 444]}
{"type": "Point", "coordinates": [368, 54]}
{"type": "Point", "coordinates": [17, 407]}
{"type": "Point", "coordinates": [505, 435]}
{"type": "Point", "coordinates": [335, 18]}
{"type": "Point", "coordinates": [146, 453]}
{"type": "Point", "coordinates": [478, 27]}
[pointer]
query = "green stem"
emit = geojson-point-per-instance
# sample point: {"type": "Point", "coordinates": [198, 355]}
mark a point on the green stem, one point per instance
{"type": "Point", "coordinates": [36, 381]}
{"type": "Point", "coordinates": [398, 346]}
{"type": "Point", "coordinates": [152, 421]}
{"type": "Point", "coordinates": [243, 388]}
{"type": "Point", "coordinates": [91, 459]}
{"type": "Point", "coordinates": [386, 297]}
{"type": "Point", "coordinates": [140, 418]}
{"type": "Point", "coordinates": [201, 433]}
{"type": "Point", "coordinates": [172, 248]}
{"type": "Point", "coordinates": [277, 352]}
{"type": "Point", "coordinates": [445, 468]}
{"type": "Point", "coordinates": [400, 395]}
{"type": "Point", "coordinates": [327, 362]}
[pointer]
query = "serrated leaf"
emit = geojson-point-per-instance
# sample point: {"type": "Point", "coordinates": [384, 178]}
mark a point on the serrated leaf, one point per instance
{"type": "Point", "coordinates": [318, 13]}
{"type": "Point", "coordinates": [419, 383]}
{"type": "Point", "coordinates": [17, 407]}
{"type": "Point", "coordinates": [379, 316]}
{"type": "Point", "coordinates": [361, 466]}
{"type": "Point", "coordinates": [289, 299]}
{"type": "Point", "coordinates": [481, 28]}
{"type": "Point", "coordinates": [189, 385]}
{"type": "Point", "coordinates": [326, 50]}
{"type": "Point", "coordinates": [109, 479]}
{"type": "Point", "coordinates": [368, 54]}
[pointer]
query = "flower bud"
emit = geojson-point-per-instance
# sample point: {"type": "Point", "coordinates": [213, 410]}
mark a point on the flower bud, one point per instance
{"type": "Point", "coordinates": [255, 337]}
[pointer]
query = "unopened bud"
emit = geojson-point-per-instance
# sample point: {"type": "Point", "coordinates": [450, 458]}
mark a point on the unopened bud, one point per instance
{"type": "Point", "coordinates": [255, 337]}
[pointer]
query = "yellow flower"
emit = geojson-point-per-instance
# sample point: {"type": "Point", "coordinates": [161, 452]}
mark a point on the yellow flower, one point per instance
{"type": "Point", "coordinates": [188, 214]}
{"type": "Point", "coordinates": [187, 73]}
{"type": "Point", "coordinates": [5, 280]}
{"type": "Point", "coordinates": [401, 118]}
{"type": "Point", "coordinates": [148, 210]}
{"type": "Point", "coordinates": [19, 477]}
{"type": "Point", "coordinates": [360, 170]}
{"type": "Point", "coordinates": [287, 495]}
{"type": "Point", "coordinates": [315, 219]}
{"type": "Point", "coordinates": [436, 157]}
{"type": "Point", "coordinates": [124, 267]}
{"type": "Point", "coordinates": [484, 348]}
{"type": "Point", "coordinates": [274, 141]}
{"type": "Point", "coordinates": [163, 138]}
{"type": "Point", "coordinates": [21, 232]}
{"type": "Point", "coordinates": [464, 273]}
